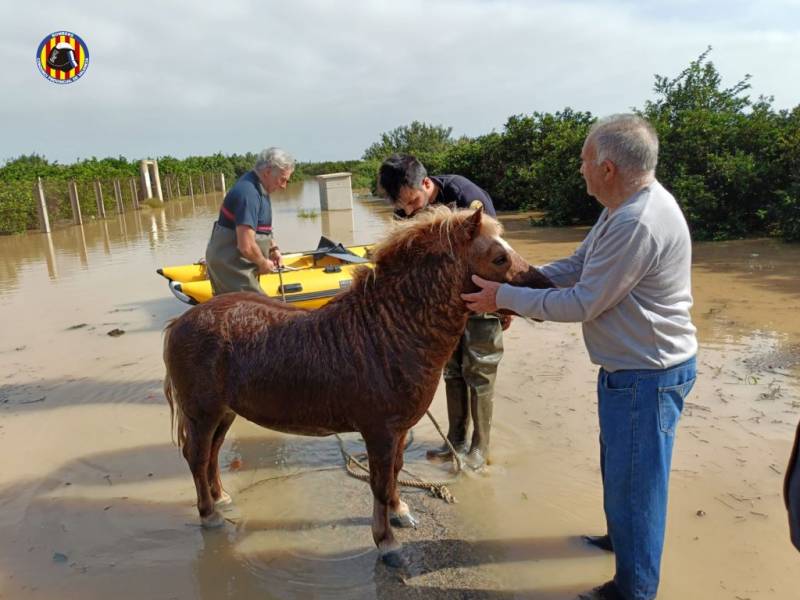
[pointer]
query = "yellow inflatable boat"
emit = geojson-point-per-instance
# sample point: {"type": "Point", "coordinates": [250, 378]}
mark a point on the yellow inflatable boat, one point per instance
{"type": "Point", "coordinates": [322, 257]}
{"type": "Point", "coordinates": [308, 280]}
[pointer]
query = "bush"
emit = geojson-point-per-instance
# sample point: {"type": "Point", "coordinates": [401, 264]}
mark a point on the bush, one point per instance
{"type": "Point", "coordinates": [17, 206]}
{"type": "Point", "coordinates": [721, 154]}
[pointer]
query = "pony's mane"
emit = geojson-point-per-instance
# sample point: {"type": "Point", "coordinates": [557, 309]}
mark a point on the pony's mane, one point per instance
{"type": "Point", "coordinates": [419, 233]}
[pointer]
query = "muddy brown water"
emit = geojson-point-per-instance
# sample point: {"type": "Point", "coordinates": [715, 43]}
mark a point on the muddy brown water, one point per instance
{"type": "Point", "coordinates": [96, 502]}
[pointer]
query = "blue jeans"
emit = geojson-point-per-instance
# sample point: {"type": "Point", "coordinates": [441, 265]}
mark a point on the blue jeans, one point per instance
{"type": "Point", "coordinates": [639, 411]}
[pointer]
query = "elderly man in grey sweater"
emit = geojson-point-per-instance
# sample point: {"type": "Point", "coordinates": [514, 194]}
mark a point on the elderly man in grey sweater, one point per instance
{"type": "Point", "coordinates": [629, 284]}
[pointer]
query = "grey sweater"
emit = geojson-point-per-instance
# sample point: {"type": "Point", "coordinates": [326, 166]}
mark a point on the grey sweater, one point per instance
{"type": "Point", "coordinates": [629, 283]}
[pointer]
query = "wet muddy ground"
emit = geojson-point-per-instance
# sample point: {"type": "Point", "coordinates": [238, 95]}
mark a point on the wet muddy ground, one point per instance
{"type": "Point", "coordinates": [96, 502]}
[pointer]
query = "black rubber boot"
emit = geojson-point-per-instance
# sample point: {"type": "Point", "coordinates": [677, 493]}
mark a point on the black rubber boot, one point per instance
{"type": "Point", "coordinates": [482, 406]}
{"type": "Point", "coordinates": [457, 417]}
{"type": "Point", "coordinates": [599, 541]}
{"type": "Point", "coordinates": [607, 591]}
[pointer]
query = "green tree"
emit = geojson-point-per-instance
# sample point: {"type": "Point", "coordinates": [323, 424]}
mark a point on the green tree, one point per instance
{"type": "Point", "coordinates": [426, 142]}
{"type": "Point", "coordinates": [556, 185]}
{"type": "Point", "coordinates": [718, 151]}
{"type": "Point", "coordinates": [787, 205]}
{"type": "Point", "coordinates": [533, 163]}
{"type": "Point", "coordinates": [27, 168]}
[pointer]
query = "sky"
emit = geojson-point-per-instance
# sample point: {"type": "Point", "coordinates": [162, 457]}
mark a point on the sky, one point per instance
{"type": "Point", "coordinates": [323, 79]}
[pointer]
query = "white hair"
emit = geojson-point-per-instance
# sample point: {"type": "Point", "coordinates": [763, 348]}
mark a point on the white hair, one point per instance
{"type": "Point", "coordinates": [274, 159]}
{"type": "Point", "coordinates": [627, 140]}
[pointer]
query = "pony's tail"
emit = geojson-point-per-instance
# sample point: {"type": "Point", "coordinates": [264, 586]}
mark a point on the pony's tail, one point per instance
{"type": "Point", "coordinates": [177, 421]}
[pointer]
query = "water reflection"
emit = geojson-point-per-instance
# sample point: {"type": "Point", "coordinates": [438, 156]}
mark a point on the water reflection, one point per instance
{"type": "Point", "coordinates": [338, 225]}
{"type": "Point", "coordinates": [50, 253]}
{"type": "Point", "coordinates": [153, 231]}
{"type": "Point", "coordinates": [122, 228]}
{"type": "Point", "coordinates": [106, 237]}
{"type": "Point", "coordinates": [81, 240]}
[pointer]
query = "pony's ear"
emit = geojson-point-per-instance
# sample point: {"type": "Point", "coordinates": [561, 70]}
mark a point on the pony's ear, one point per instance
{"type": "Point", "coordinates": [472, 224]}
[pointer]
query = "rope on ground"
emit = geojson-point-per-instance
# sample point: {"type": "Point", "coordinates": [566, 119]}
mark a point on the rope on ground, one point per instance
{"type": "Point", "coordinates": [457, 465]}
{"type": "Point", "coordinates": [438, 489]}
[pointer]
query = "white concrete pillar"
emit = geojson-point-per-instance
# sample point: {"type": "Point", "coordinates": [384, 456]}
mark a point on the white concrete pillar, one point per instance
{"type": "Point", "coordinates": [147, 189]}
{"type": "Point", "coordinates": [335, 191]}
{"type": "Point", "coordinates": [156, 180]}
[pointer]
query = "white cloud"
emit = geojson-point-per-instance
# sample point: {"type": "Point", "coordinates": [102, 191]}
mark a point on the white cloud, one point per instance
{"type": "Point", "coordinates": [323, 79]}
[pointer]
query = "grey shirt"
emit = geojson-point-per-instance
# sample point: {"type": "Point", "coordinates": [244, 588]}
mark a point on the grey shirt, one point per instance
{"type": "Point", "coordinates": [629, 283]}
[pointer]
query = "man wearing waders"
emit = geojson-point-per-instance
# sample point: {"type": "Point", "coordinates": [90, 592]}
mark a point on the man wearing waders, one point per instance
{"type": "Point", "coordinates": [241, 246]}
{"type": "Point", "coordinates": [470, 373]}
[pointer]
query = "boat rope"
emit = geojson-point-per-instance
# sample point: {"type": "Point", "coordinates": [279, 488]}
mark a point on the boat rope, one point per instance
{"type": "Point", "coordinates": [280, 280]}
{"type": "Point", "coordinates": [438, 489]}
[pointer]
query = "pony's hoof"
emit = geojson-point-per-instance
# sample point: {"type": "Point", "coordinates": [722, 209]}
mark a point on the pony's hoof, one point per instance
{"type": "Point", "coordinates": [224, 499]}
{"type": "Point", "coordinates": [404, 521]}
{"type": "Point", "coordinates": [394, 559]}
{"type": "Point", "coordinates": [213, 521]}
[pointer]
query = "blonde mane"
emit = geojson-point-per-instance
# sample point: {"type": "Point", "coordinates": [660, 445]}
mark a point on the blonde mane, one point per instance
{"type": "Point", "coordinates": [406, 233]}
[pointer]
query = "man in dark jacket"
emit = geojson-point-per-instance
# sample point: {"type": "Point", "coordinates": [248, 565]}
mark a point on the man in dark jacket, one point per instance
{"type": "Point", "coordinates": [470, 373]}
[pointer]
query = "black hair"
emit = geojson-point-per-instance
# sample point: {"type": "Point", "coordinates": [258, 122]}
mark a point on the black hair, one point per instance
{"type": "Point", "coordinates": [400, 170]}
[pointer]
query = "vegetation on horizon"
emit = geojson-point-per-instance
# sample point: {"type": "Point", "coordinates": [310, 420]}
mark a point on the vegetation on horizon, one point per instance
{"type": "Point", "coordinates": [732, 163]}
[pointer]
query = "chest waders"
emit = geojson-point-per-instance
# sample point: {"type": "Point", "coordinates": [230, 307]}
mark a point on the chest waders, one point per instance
{"type": "Point", "coordinates": [469, 377]}
{"type": "Point", "coordinates": [228, 270]}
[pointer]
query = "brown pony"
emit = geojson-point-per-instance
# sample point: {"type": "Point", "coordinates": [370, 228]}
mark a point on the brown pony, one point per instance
{"type": "Point", "coordinates": [368, 361]}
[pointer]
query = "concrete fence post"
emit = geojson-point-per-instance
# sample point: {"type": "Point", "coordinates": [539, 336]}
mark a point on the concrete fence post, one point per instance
{"type": "Point", "coordinates": [118, 196]}
{"type": "Point", "coordinates": [41, 207]}
{"type": "Point", "coordinates": [77, 218]}
{"type": "Point", "coordinates": [98, 196]}
{"type": "Point", "coordinates": [134, 194]}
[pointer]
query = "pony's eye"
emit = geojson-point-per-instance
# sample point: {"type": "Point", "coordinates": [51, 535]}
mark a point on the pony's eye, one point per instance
{"type": "Point", "coordinates": [500, 260]}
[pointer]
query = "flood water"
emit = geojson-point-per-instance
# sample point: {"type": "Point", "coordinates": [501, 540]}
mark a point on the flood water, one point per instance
{"type": "Point", "coordinates": [95, 500]}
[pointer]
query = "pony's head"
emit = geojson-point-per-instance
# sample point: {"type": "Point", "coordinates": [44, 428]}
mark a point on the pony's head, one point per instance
{"type": "Point", "coordinates": [469, 241]}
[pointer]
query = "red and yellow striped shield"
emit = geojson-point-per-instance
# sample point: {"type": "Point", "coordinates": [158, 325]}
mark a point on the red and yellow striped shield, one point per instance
{"type": "Point", "coordinates": [62, 57]}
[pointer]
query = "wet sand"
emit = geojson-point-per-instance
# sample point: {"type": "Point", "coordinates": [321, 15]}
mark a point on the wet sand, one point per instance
{"type": "Point", "coordinates": [96, 502]}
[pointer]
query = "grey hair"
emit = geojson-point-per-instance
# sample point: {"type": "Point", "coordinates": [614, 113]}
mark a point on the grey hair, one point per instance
{"type": "Point", "coordinates": [274, 159]}
{"type": "Point", "coordinates": [627, 140]}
